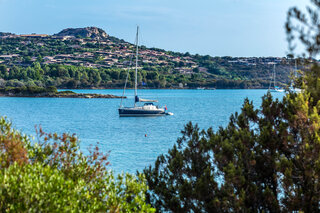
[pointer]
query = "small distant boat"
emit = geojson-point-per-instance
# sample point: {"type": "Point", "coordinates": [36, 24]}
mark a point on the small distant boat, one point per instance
{"type": "Point", "coordinates": [273, 80]}
{"type": "Point", "coordinates": [296, 90]}
{"type": "Point", "coordinates": [205, 88]}
{"type": "Point", "coordinates": [148, 109]}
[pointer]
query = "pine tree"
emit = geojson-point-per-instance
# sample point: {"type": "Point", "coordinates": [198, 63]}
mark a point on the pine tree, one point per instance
{"type": "Point", "coordinates": [264, 160]}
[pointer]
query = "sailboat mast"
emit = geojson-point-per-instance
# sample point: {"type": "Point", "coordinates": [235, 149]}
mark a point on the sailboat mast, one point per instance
{"type": "Point", "coordinates": [274, 76]}
{"type": "Point", "coordinates": [136, 71]}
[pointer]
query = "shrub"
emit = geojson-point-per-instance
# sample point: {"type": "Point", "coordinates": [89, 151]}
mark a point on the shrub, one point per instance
{"type": "Point", "coordinates": [12, 146]}
{"type": "Point", "coordinates": [53, 175]}
{"type": "Point", "coordinates": [52, 89]}
{"type": "Point", "coordinates": [39, 188]}
{"type": "Point", "coordinates": [66, 92]}
{"type": "Point", "coordinates": [265, 160]}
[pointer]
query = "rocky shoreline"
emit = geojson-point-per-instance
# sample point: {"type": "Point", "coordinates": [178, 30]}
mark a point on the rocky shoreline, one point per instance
{"type": "Point", "coordinates": [61, 95]}
{"type": "Point", "coordinates": [48, 92]}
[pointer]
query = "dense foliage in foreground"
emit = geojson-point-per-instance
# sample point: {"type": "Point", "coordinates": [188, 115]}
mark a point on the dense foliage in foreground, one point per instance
{"type": "Point", "coordinates": [265, 160]}
{"type": "Point", "coordinates": [52, 175]}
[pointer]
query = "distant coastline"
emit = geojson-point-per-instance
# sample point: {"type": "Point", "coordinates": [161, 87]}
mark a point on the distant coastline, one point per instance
{"type": "Point", "coordinates": [50, 92]}
{"type": "Point", "coordinates": [76, 95]}
{"type": "Point", "coordinates": [53, 92]}
{"type": "Point", "coordinates": [152, 88]}
{"type": "Point", "coordinates": [89, 58]}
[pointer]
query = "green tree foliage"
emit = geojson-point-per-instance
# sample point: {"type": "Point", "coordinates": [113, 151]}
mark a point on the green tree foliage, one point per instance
{"type": "Point", "coordinates": [303, 28]}
{"type": "Point", "coordinates": [29, 90]}
{"type": "Point", "coordinates": [70, 76]}
{"type": "Point", "coordinates": [53, 175]}
{"type": "Point", "coordinates": [264, 160]}
{"type": "Point", "coordinates": [184, 179]}
{"type": "Point", "coordinates": [39, 188]}
{"type": "Point", "coordinates": [32, 56]}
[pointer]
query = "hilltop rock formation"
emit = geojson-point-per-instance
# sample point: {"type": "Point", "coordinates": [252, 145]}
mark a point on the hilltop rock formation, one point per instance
{"type": "Point", "coordinates": [5, 34]}
{"type": "Point", "coordinates": [91, 32]}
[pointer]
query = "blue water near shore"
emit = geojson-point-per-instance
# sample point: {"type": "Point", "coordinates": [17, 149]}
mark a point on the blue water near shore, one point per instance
{"type": "Point", "coordinates": [97, 120]}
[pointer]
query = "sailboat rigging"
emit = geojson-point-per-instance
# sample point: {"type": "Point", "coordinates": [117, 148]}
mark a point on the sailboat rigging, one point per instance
{"type": "Point", "coordinates": [148, 109]}
{"type": "Point", "coordinates": [273, 80]}
{"type": "Point", "coordinates": [292, 86]}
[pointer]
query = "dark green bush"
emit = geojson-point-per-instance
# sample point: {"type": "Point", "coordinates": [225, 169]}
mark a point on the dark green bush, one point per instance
{"type": "Point", "coordinates": [66, 92]}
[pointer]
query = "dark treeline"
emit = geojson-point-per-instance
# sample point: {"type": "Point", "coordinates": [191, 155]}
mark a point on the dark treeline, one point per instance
{"type": "Point", "coordinates": [29, 90]}
{"type": "Point", "coordinates": [68, 76]}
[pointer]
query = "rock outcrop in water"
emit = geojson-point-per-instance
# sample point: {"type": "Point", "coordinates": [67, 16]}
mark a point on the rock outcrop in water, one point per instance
{"type": "Point", "coordinates": [87, 32]}
{"type": "Point", "coordinates": [49, 92]}
{"type": "Point", "coordinates": [59, 95]}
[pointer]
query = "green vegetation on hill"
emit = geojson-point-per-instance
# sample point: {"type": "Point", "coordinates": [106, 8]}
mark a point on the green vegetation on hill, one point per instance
{"type": "Point", "coordinates": [70, 60]}
{"type": "Point", "coordinates": [69, 76]}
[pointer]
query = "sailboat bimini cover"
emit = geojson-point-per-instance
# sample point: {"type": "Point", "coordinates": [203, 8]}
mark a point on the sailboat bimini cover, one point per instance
{"type": "Point", "coordinates": [137, 99]}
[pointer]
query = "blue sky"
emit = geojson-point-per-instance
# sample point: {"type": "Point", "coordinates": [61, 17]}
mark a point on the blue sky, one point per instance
{"type": "Point", "coordinates": [214, 27]}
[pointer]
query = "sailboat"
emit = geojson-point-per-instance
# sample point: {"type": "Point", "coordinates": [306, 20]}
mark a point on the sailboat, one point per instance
{"type": "Point", "coordinates": [146, 110]}
{"type": "Point", "coordinates": [292, 86]}
{"type": "Point", "coordinates": [274, 88]}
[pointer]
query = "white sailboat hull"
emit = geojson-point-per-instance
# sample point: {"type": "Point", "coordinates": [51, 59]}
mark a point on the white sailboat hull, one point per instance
{"type": "Point", "coordinates": [140, 112]}
{"type": "Point", "coordinates": [277, 90]}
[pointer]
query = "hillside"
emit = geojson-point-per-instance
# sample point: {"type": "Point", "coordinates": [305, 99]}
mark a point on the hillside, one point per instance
{"type": "Point", "coordinates": [89, 57]}
{"type": "Point", "coordinates": [87, 32]}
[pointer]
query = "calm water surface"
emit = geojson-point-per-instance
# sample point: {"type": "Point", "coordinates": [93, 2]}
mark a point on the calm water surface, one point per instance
{"type": "Point", "coordinates": [97, 120]}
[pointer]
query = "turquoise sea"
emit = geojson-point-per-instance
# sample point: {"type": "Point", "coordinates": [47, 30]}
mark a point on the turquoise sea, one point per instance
{"type": "Point", "coordinates": [134, 143]}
